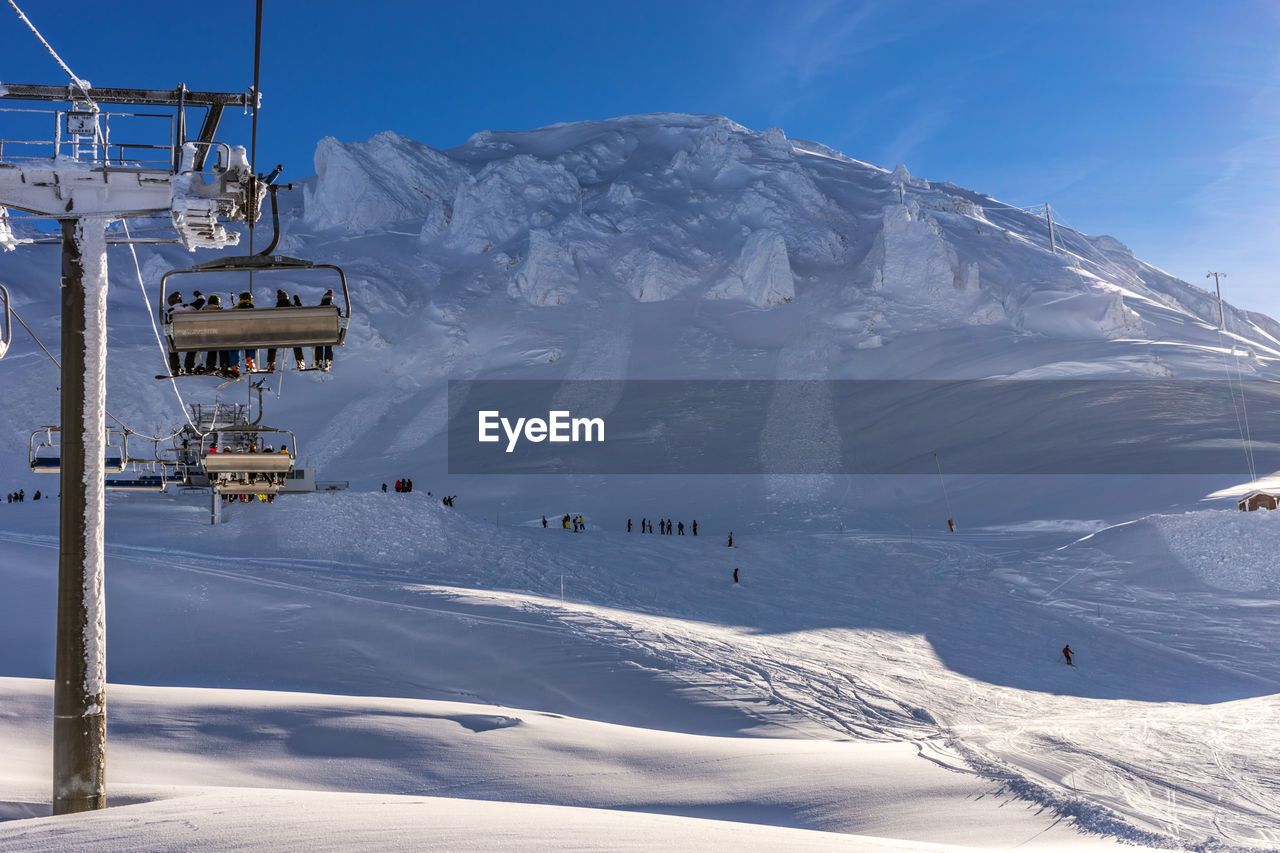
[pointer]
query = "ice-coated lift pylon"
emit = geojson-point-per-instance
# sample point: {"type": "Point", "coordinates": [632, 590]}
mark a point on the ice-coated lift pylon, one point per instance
{"type": "Point", "coordinates": [85, 191]}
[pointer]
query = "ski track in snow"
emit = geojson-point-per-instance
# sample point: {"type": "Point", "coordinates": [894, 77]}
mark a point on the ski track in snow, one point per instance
{"type": "Point", "coordinates": [946, 643]}
{"type": "Point", "coordinates": [1119, 767]}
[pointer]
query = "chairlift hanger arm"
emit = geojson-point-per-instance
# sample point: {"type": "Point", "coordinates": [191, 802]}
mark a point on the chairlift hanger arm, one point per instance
{"type": "Point", "coordinates": [263, 263]}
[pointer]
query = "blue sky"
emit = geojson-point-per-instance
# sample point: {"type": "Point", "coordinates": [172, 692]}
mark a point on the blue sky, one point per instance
{"type": "Point", "coordinates": [1155, 122]}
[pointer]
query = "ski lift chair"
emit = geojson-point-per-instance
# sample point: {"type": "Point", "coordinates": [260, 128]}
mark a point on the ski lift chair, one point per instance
{"type": "Point", "coordinates": [46, 457]}
{"type": "Point", "coordinates": [148, 462]}
{"type": "Point", "coordinates": [139, 483]}
{"type": "Point", "coordinates": [256, 328]}
{"type": "Point", "coordinates": [6, 323]}
{"type": "Point", "coordinates": [238, 472]}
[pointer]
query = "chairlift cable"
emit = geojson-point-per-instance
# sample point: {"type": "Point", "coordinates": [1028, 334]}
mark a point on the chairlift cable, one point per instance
{"type": "Point", "coordinates": [253, 137]}
{"type": "Point", "coordinates": [146, 301]}
{"type": "Point", "coordinates": [945, 500]}
{"type": "Point", "coordinates": [1244, 410]}
{"type": "Point", "coordinates": [82, 85]}
{"type": "Point", "coordinates": [1246, 435]}
{"type": "Point", "coordinates": [1226, 368]}
{"type": "Point", "coordinates": [1242, 426]}
{"type": "Point", "coordinates": [1241, 409]}
{"type": "Point", "coordinates": [58, 365]}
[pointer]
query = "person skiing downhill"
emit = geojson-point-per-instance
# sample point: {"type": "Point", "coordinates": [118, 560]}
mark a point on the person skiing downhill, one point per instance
{"type": "Point", "coordinates": [1066, 653]}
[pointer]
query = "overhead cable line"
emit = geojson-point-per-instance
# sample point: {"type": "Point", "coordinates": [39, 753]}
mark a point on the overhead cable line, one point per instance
{"type": "Point", "coordinates": [147, 302]}
{"type": "Point", "coordinates": [58, 365]}
{"type": "Point", "coordinates": [253, 133]}
{"type": "Point", "coordinates": [1240, 409]}
{"type": "Point", "coordinates": [82, 85]}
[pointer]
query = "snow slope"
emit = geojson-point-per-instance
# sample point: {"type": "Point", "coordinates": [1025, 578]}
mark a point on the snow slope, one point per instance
{"type": "Point", "coordinates": [870, 675]}
{"type": "Point", "coordinates": [874, 638]}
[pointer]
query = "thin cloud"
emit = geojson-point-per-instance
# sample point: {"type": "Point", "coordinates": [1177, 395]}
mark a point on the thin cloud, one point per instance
{"type": "Point", "coordinates": [924, 123]}
{"type": "Point", "coordinates": [825, 38]}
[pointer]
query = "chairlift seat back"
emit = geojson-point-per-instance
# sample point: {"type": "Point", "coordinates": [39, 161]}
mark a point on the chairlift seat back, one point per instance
{"type": "Point", "coordinates": [53, 464]}
{"type": "Point", "coordinates": [150, 482]}
{"type": "Point", "coordinates": [254, 328]}
{"type": "Point", "coordinates": [248, 463]}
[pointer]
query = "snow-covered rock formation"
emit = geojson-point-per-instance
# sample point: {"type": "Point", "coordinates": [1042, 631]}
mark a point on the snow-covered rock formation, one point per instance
{"type": "Point", "coordinates": [658, 246]}
{"type": "Point", "coordinates": [666, 207]}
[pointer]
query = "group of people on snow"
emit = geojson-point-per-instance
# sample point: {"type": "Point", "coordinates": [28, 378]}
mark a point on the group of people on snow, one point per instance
{"type": "Point", "coordinates": [251, 448]}
{"type": "Point", "coordinates": [20, 496]}
{"type": "Point", "coordinates": [226, 363]}
{"type": "Point", "coordinates": [270, 499]}
{"type": "Point", "coordinates": [664, 527]}
{"type": "Point", "coordinates": [405, 485]}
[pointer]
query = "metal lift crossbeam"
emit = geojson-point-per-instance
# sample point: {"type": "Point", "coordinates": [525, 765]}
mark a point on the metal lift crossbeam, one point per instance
{"type": "Point", "coordinates": [216, 102]}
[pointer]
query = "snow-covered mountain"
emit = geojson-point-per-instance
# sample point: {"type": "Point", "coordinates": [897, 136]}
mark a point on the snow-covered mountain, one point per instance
{"type": "Point", "coordinates": [470, 652]}
{"type": "Point", "coordinates": [665, 207]}
{"type": "Point", "coordinates": [660, 246]}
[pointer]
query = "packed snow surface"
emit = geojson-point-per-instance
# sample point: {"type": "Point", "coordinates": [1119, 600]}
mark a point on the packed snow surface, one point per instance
{"type": "Point", "coordinates": [355, 668]}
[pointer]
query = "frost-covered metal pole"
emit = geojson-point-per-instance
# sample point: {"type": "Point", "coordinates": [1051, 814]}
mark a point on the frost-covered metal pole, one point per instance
{"type": "Point", "coordinates": [79, 692]}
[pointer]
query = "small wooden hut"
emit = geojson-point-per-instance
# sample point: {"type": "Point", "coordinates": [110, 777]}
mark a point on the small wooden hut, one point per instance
{"type": "Point", "coordinates": [1258, 500]}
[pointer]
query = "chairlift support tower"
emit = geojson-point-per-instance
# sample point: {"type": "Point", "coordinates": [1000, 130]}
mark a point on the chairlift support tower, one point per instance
{"type": "Point", "coordinates": [1217, 284]}
{"type": "Point", "coordinates": [84, 180]}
